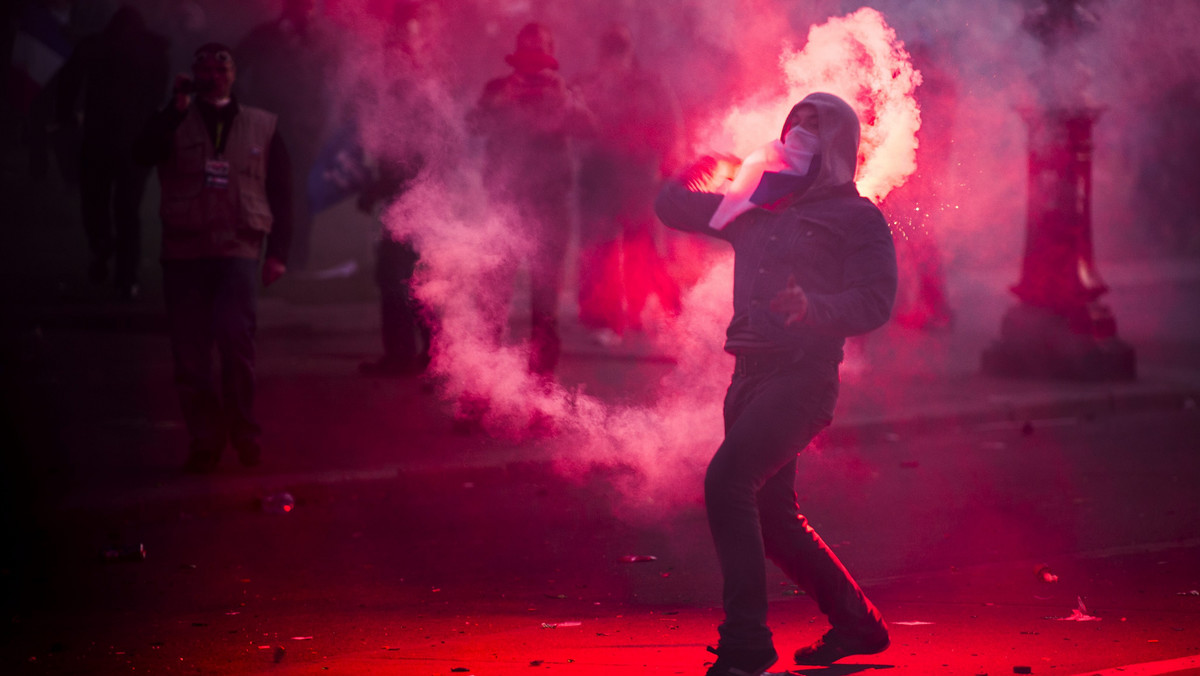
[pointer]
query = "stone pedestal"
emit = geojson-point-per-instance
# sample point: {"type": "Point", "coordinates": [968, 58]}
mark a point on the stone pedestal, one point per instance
{"type": "Point", "coordinates": [1059, 328]}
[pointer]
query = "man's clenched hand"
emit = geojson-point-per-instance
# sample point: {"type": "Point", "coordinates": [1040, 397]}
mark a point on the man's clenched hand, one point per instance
{"type": "Point", "coordinates": [791, 302]}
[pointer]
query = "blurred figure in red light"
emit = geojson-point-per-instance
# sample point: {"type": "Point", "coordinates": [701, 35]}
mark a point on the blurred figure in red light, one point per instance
{"type": "Point", "coordinates": [284, 65]}
{"type": "Point", "coordinates": [527, 120]}
{"type": "Point", "coordinates": [814, 263]}
{"type": "Point", "coordinates": [916, 209]}
{"type": "Point", "coordinates": [400, 129]}
{"type": "Point", "coordinates": [637, 144]}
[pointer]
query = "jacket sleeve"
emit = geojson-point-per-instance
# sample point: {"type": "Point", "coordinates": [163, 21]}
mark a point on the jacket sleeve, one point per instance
{"type": "Point", "coordinates": [70, 83]}
{"type": "Point", "coordinates": [153, 145]}
{"type": "Point", "coordinates": [279, 197]}
{"type": "Point", "coordinates": [868, 292]}
{"type": "Point", "coordinates": [682, 209]}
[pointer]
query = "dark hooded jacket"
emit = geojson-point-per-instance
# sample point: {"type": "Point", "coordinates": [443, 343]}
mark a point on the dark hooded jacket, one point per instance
{"type": "Point", "coordinates": [527, 119]}
{"type": "Point", "coordinates": [835, 243]}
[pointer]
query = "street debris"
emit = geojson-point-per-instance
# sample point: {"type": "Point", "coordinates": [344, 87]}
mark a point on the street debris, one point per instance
{"type": "Point", "coordinates": [1043, 573]}
{"type": "Point", "coordinates": [912, 623]}
{"type": "Point", "coordinates": [559, 625]}
{"type": "Point", "coordinates": [1193, 592]}
{"type": "Point", "coordinates": [637, 558]}
{"type": "Point", "coordinates": [302, 638]}
{"type": "Point", "coordinates": [1079, 614]}
{"type": "Point", "coordinates": [278, 503]}
{"type": "Point", "coordinates": [1022, 670]}
{"type": "Point", "coordinates": [114, 554]}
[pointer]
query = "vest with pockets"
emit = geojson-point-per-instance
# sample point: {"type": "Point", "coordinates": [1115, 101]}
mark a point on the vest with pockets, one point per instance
{"type": "Point", "coordinates": [200, 220]}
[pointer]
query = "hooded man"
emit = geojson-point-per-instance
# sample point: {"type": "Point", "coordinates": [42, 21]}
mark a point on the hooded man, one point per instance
{"type": "Point", "coordinates": [527, 120]}
{"type": "Point", "coordinates": [814, 263]}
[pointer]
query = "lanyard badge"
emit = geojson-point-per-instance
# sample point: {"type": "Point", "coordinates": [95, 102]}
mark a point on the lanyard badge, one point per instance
{"type": "Point", "coordinates": [216, 174]}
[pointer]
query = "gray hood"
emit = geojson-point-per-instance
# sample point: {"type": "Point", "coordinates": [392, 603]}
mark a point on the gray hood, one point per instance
{"type": "Point", "coordinates": [839, 135]}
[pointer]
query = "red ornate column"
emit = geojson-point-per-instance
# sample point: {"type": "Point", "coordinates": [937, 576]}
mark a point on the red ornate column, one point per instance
{"type": "Point", "coordinates": [1060, 328]}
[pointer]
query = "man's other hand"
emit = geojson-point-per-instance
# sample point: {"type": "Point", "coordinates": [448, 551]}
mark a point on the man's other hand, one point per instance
{"type": "Point", "coordinates": [272, 270]}
{"type": "Point", "coordinates": [791, 302]}
{"type": "Point", "coordinates": [182, 91]}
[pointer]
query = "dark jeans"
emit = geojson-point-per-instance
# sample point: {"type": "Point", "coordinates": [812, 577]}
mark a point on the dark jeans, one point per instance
{"type": "Point", "coordinates": [750, 496]}
{"type": "Point", "coordinates": [212, 303]}
{"type": "Point", "coordinates": [110, 190]}
{"type": "Point", "coordinates": [549, 222]}
{"type": "Point", "coordinates": [404, 320]}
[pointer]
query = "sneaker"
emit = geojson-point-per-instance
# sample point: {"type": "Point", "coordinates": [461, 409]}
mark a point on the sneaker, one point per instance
{"type": "Point", "coordinates": [835, 645]}
{"type": "Point", "coordinates": [741, 662]}
{"type": "Point", "coordinates": [203, 457]}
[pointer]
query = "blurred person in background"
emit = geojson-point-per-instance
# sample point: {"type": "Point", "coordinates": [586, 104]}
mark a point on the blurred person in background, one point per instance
{"type": "Point", "coordinates": [284, 66]}
{"type": "Point", "coordinates": [403, 134]}
{"type": "Point", "coordinates": [114, 81]}
{"type": "Point", "coordinates": [527, 120]}
{"type": "Point", "coordinates": [637, 143]}
{"type": "Point", "coordinates": [226, 201]}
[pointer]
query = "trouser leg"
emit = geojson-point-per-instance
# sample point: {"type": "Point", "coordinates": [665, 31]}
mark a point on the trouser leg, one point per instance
{"type": "Point", "coordinates": [235, 323]}
{"type": "Point", "coordinates": [637, 269]}
{"type": "Point", "coordinates": [130, 185]}
{"type": "Point", "coordinates": [188, 290]}
{"type": "Point", "coordinates": [600, 288]}
{"type": "Point", "coordinates": [399, 311]}
{"type": "Point", "coordinates": [300, 251]}
{"type": "Point", "coordinates": [768, 420]}
{"type": "Point", "coordinates": [95, 199]}
{"type": "Point", "coordinates": [793, 545]}
{"type": "Point", "coordinates": [545, 276]}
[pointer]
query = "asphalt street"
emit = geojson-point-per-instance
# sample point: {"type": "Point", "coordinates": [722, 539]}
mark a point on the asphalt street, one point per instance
{"type": "Point", "coordinates": [520, 571]}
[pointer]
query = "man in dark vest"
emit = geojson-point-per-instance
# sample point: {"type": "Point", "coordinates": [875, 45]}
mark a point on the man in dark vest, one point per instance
{"type": "Point", "coordinates": [226, 197]}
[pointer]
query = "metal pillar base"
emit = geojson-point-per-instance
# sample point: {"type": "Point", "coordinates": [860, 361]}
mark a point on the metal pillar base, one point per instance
{"type": "Point", "coordinates": [1078, 345]}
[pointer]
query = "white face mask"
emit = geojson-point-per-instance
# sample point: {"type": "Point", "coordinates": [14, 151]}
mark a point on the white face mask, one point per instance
{"type": "Point", "coordinates": [802, 139]}
{"type": "Point", "coordinates": [798, 149]}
